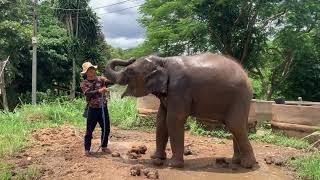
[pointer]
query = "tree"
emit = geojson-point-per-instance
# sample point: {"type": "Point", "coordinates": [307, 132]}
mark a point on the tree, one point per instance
{"type": "Point", "coordinates": [82, 26]}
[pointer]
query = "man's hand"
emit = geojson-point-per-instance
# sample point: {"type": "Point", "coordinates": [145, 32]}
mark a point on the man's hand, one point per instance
{"type": "Point", "coordinates": [103, 90]}
{"type": "Point", "coordinates": [103, 78]}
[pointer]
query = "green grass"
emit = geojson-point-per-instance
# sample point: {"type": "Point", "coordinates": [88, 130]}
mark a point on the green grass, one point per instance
{"type": "Point", "coordinates": [198, 129]}
{"type": "Point", "coordinates": [308, 167]}
{"type": "Point", "coordinates": [124, 114]}
{"type": "Point", "coordinates": [5, 170]}
{"type": "Point", "coordinates": [280, 139]}
{"type": "Point", "coordinates": [30, 173]}
{"type": "Point", "coordinates": [269, 137]}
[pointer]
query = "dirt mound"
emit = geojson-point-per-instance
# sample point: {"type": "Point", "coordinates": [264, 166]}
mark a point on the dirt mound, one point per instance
{"type": "Point", "coordinates": [59, 154]}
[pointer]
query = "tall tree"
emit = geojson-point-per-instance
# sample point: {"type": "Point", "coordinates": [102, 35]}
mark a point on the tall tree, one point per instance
{"type": "Point", "coordinates": [82, 26]}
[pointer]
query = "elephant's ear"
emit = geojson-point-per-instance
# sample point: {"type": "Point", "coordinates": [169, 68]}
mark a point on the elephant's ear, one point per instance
{"type": "Point", "coordinates": [157, 81]}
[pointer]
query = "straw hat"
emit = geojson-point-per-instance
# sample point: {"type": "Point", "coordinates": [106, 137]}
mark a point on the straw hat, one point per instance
{"type": "Point", "coordinates": [86, 66]}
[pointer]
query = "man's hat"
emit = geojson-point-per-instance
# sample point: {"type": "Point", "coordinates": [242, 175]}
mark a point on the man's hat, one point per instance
{"type": "Point", "coordinates": [86, 66]}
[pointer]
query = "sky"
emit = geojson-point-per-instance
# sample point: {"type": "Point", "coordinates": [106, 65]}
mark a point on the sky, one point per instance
{"type": "Point", "coordinates": [120, 28]}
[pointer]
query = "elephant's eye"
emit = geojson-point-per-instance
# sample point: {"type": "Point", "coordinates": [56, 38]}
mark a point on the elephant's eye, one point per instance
{"type": "Point", "coordinates": [130, 71]}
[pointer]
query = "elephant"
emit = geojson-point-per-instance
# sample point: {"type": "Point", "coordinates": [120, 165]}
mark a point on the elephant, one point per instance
{"type": "Point", "coordinates": [207, 85]}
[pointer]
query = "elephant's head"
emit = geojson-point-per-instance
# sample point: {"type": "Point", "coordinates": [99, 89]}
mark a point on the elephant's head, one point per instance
{"type": "Point", "coordinates": [142, 76]}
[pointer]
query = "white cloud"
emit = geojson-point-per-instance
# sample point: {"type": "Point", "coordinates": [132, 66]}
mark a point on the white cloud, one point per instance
{"type": "Point", "coordinates": [124, 42]}
{"type": "Point", "coordinates": [120, 28]}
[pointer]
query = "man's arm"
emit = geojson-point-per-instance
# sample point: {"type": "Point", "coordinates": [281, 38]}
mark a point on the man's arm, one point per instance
{"type": "Point", "coordinates": [88, 90]}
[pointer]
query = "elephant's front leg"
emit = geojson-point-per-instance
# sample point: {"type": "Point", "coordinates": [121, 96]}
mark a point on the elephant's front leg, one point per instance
{"type": "Point", "coordinates": [176, 120]}
{"type": "Point", "coordinates": [161, 134]}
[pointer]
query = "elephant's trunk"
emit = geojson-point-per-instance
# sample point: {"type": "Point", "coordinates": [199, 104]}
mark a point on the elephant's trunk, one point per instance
{"type": "Point", "coordinates": [116, 76]}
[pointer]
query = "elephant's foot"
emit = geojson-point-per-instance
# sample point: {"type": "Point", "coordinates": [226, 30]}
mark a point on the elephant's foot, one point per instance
{"type": "Point", "coordinates": [158, 155]}
{"type": "Point", "coordinates": [157, 162]}
{"type": "Point", "coordinates": [248, 161]}
{"type": "Point", "coordinates": [174, 163]}
{"type": "Point", "coordinates": [236, 159]}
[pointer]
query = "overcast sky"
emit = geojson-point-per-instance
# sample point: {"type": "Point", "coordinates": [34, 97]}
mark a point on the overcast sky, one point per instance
{"type": "Point", "coordinates": [120, 28]}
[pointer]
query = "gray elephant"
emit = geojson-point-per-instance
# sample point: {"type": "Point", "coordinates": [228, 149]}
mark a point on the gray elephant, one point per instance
{"type": "Point", "coordinates": [208, 86]}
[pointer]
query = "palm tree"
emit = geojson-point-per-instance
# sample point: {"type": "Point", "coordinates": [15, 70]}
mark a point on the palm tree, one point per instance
{"type": "Point", "coordinates": [82, 25]}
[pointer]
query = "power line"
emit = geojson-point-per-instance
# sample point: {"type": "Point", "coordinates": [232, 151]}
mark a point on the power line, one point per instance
{"type": "Point", "coordinates": [120, 9]}
{"type": "Point", "coordinates": [115, 4]}
{"type": "Point", "coordinates": [83, 9]}
{"type": "Point", "coordinates": [115, 10]}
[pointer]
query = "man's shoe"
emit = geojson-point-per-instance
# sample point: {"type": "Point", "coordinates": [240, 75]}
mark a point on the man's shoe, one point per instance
{"type": "Point", "coordinates": [87, 153]}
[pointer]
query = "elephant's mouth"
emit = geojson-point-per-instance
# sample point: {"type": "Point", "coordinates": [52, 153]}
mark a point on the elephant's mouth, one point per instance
{"type": "Point", "coordinates": [132, 92]}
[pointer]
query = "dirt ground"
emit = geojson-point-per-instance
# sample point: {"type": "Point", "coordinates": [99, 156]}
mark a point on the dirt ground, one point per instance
{"type": "Point", "coordinates": [58, 153]}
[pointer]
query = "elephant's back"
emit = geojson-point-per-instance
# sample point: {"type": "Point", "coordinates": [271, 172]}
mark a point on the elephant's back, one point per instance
{"type": "Point", "coordinates": [211, 68]}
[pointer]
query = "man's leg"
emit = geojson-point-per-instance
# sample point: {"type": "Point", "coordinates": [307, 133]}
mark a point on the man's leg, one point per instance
{"type": "Point", "coordinates": [105, 128]}
{"type": "Point", "coordinates": [91, 124]}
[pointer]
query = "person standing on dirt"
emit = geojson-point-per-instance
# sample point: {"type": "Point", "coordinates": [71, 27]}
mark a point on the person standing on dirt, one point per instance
{"type": "Point", "coordinates": [94, 87]}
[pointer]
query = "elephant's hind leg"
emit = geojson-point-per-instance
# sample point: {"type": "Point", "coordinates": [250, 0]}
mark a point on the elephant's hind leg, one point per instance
{"type": "Point", "coordinates": [236, 122]}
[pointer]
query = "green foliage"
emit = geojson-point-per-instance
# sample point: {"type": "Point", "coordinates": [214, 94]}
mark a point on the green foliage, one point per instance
{"type": "Point", "coordinates": [171, 28]}
{"type": "Point", "coordinates": [43, 97]}
{"type": "Point", "coordinates": [307, 166]}
{"type": "Point", "coordinates": [55, 45]}
{"type": "Point", "coordinates": [276, 41]}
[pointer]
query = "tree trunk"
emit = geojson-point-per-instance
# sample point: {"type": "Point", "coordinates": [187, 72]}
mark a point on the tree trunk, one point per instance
{"type": "Point", "coordinates": [3, 92]}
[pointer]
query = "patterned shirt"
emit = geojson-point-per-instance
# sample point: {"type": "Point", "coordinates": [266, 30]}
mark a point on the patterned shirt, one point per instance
{"type": "Point", "coordinates": [90, 90]}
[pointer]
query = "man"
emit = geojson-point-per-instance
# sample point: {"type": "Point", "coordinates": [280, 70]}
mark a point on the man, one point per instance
{"type": "Point", "coordinates": [94, 87]}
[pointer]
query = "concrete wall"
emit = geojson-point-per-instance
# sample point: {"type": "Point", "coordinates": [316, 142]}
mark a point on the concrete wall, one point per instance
{"type": "Point", "coordinates": [148, 104]}
{"type": "Point", "coordinates": [296, 120]}
{"type": "Point", "coordinates": [263, 110]}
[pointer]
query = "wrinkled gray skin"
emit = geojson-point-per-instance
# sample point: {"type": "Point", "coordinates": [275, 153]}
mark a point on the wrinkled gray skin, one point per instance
{"type": "Point", "coordinates": [205, 86]}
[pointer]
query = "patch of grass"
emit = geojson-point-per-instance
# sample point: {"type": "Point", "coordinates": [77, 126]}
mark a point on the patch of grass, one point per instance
{"type": "Point", "coordinates": [5, 171]}
{"type": "Point", "coordinates": [124, 114]}
{"type": "Point", "coordinates": [30, 173]}
{"type": "Point", "coordinates": [268, 136]}
{"type": "Point", "coordinates": [198, 129]}
{"type": "Point", "coordinates": [279, 138]}
{"type": "Point", "coordinates": [307, 166]}
{"type": "Point", "coordinates": [16, 126]}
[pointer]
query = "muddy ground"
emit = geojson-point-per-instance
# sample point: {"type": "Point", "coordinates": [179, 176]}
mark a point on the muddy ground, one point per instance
{"type": "Point", "coordinates": [58, 153]}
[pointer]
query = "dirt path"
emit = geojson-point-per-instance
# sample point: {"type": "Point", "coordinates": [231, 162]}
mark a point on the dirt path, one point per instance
{"type": "Point", "coordinates": [58, 152]}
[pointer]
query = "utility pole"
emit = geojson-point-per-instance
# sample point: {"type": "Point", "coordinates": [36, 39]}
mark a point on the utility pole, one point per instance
{"type": "Point", "coordinates": [73, 86]}
{"type": "Point", "coordinates": [34, 54]}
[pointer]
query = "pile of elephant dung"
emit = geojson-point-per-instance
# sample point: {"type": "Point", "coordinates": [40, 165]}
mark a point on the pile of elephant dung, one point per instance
{"type": "Point", "coordinates": [139, 169]}
{"type": "Point", "coordinates": [135, 152]}
{"type": "Point", "coordinates": [274, 160]}
{"type": "Point", "coordinates": [115, 154]}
